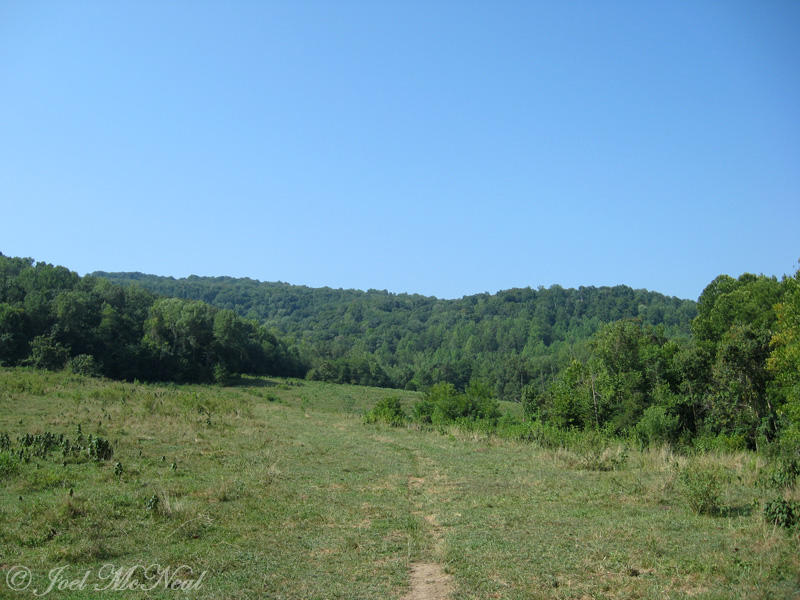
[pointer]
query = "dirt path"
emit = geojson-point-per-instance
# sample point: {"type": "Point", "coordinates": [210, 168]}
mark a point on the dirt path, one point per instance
{"type": "Point", "coordinates": [428, 579]}
{"type": "Point", "coordinates": [429, 582]}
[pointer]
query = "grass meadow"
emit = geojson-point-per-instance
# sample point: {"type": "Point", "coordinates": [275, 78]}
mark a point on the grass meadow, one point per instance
{"type": "Point", "coordinates": [277, 489]}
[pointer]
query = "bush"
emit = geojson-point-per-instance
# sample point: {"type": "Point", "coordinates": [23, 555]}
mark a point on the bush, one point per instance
{"type": "Point", "coordinates": [423, 410]}
{"type": "Point", "coordinates": [46, 353]}
{"type": "Point", "coordinates": [546, 435]}
{"type": "Point", "coordinates": [84, 364]}
{"type": "Point", "coordinates": [442, 404]}
{"type": "Point", "coordinates": [530, 401]}
{"type": "Point", "coordinates": [720, 443]}
{"type": "Point", "coordinates": [702, 488]}
{"type": "Point", "coordinates": [99, 448]}
{"type": "Point", "coordinates": [389, 411]}
{"type": "Point", "coordinates": [509, 427]}
{"type": "Point", "coordinates": [222, 375]}
{"type": "Point", "coordinates": [657, 427]}
{"type": "Point", "coordinates": [596, 453]}
{"type": "Point", "coordinates": [783, 513]}
{"type": "Point", "coordinates": [782, 475]}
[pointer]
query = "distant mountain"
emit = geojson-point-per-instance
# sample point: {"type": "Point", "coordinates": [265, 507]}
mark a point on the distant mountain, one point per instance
{"type": "Point", "coordinates": [510, 338]}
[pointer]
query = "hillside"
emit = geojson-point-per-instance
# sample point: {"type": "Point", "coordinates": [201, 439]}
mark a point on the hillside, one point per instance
{"type": "Point", "coordinates": [510, 338]}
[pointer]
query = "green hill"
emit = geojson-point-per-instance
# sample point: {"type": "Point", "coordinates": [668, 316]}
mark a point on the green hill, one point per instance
{"type": "Point", "coordinates": [511, 338]}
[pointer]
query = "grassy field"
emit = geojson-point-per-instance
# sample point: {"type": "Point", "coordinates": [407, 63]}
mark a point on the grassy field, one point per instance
{"type": "Point", "coordinates": [276, 489]}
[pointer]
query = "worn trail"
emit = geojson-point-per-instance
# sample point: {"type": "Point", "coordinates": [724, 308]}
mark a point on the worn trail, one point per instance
{"type": "Point", "coordinates": [429, 581]}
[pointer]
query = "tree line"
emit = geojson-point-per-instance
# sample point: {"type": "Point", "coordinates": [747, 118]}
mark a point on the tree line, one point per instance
{"type": "Point", "coordinates": [509, 339]}
{"type": "Point", "coordinates": [50, 317]}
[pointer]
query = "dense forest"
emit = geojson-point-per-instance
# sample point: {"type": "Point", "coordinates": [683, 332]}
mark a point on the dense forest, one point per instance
{"type": "Point", "coordinates": [51, 318]}
{"type": "Point", "coordinates": [509, 339]}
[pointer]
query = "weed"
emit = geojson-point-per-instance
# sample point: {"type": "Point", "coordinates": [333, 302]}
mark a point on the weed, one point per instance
{"type": "Point", "coordinates": [152, 503]}
{"type": "Point", "coordinates": [99, 448]}
{"type": "Point", "coordinates": [9, 466]}
{"type": "Point", "coordinates": [606, 459]}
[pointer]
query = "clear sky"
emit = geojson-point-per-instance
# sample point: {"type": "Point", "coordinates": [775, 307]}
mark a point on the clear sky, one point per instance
{"type": "Point", "coordinates": [445, 148]}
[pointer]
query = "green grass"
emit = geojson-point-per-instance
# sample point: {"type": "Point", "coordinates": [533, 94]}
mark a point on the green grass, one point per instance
{"type": "Point", "coordinates": [280, 491]}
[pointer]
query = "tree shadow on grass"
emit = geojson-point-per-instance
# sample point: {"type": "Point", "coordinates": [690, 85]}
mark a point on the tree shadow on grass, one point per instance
{"type": "Point", "coordinates": [741, 510]}
{"type": "Point", "coordinates": [244, 381]}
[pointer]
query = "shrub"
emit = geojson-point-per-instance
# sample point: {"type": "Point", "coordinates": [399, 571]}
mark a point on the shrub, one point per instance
{"type": "Point", "coordinates": [449, 408]}
{"type": "Point", "coordinates": [702, 488]}
{"type": "Point", "coordinates": [510, 427]}
{"type": "Point", "coordinates": [782, 475]}
{"type": "Point", "coordinates": [422, 411]}
{"type": "Point", "coordinates": [222, 375]}
{"type": "Point", "coordinates": [442, 404]}
{"type": "Point", "coordinates": [721, 443]}
{"type": "Point", "coordinates": [597, 455]}
{"type": "Point", "coordinates": [783, 513]}
{"type": "Point", "coordinates": [99, 448]}
{"type": "Point", "coordinates": [546, 435]}
{"type": "Point", "coordinates": [530, 402]}
{"type": "Point", "coordinates": [84, 364]}
{"type": "Point", "coordinates": [47, 353]}
{"type": "Point", "coordinates": [389, 411]}
{"type": "Point", "coordinates": [656, 427]}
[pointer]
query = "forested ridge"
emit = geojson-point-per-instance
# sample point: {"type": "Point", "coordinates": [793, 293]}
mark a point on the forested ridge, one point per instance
{"type": "Point", "coordinates": [508, 339]}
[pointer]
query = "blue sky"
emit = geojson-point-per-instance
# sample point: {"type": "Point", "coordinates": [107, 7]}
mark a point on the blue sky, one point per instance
{"type": "Point", "coordinates": [445, 148]}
